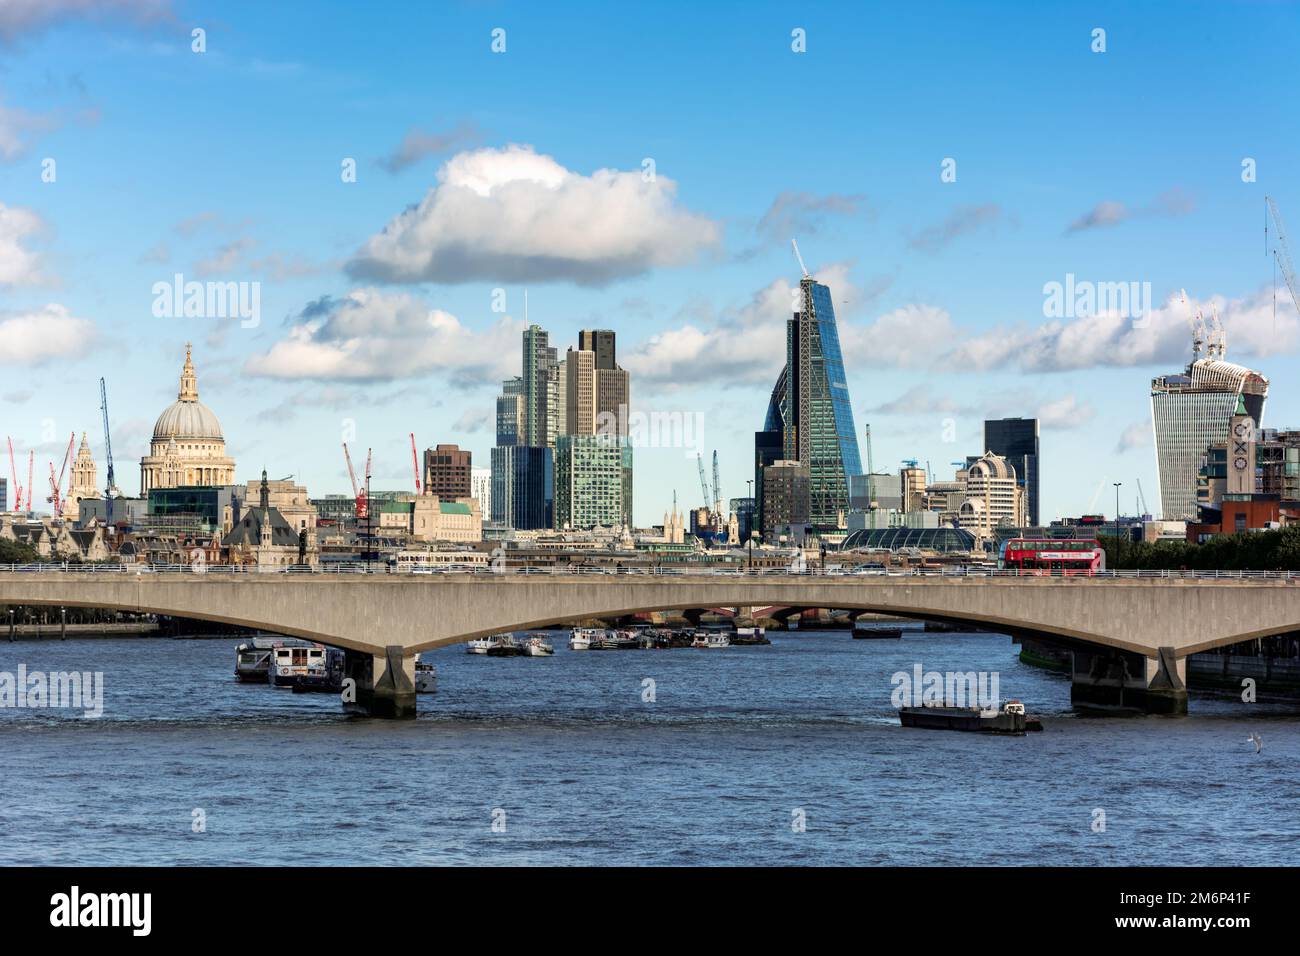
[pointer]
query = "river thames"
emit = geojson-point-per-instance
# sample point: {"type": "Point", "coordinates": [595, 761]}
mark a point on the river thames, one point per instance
{"type": "Point", "coordinates": [786, 754]}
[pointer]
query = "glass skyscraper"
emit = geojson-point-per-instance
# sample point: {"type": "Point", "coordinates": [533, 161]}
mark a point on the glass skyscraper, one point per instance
{"type": "Point", "coordinates": [1190, 412]}
{"type": "Point", "coordinates": [811, 400]}
{"type": "Point", "coordinates": [1016, 439]}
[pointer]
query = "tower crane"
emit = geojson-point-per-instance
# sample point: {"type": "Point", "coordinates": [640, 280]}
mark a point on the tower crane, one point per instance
{"type": "Point", "coordinates": [1282, 252]}
{"type": "Point", "coordinates": [717, 488]}
{"type": "Point", "coordinates": [415, 464]}
{"type": "Point", "coordinates": [111, 488]}
{"type": "Point", "coordinates": [358, 494]}
{"type": "Point", "coordinates": [1197, 323]}
{"type": "Point", "coordinates": [1142, 497]}
{"type": "Point", "coordinates": [704, 482]}
{"type": "Point", "coordinates": [56, 485]}
{"type": "Point", "coordinates": [802, 267]}
{"type": "Point", "coordinates": [871, 480]}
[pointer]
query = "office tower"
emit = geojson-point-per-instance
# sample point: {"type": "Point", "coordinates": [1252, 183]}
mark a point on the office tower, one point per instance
{"type": "Point", "coordinates": [510, 412]}
{"type": "Point", "coordinates": [811, 409]}
{"type": "Point", "coordinates": [1190, 411]}
{"type": "Point", "coordinates": [601, 342]}
{"type": "Point", "coordinates": [597, 395]}
{"type": "Point", "coordinates": [785, 495]}
{"type": "Point", "coordinates": [914, 479]}
{"type": "Point", "coordinates": [580, 382]}
{"type": "Point", "coordinates": [993, 496]}
{"type": "Point", "coordinates": [447, 472]}
{"type": "Point", "coordinates": [538, 387]}
{"type": "Point", "coordinates": [523, 487]}
{"type": "Point", "coordinates": [1016, 439]}
{"type": "Point", "coordinates": [589, 481]}
{"type": "Point", "coordinates": [744, 509]}
{"type": "Point", "coordinates": [480, 486]}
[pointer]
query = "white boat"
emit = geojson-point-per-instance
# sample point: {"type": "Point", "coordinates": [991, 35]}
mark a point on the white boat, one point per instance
{"type": "Point", "coordinates": [482, 645]}
{"type": "Point", "coordinates": [536, 645]}
{"type": "Point", "coordinates": [717, 639]}
{"type": "Point", "coordinates": [426, 677]}
{"type": "Point", "coordinates": [581, 638]}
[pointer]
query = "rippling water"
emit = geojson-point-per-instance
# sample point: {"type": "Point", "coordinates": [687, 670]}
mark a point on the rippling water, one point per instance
{"type": "Point", "coordinates": [566, 754]}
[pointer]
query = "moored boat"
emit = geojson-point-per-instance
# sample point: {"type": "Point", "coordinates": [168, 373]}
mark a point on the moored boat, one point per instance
{"type": "Point", "coordinates": [253, 659]}
{"type": "Point", "coordinates": [313, 667]}
{"type": "Point", "coordinates": [581, 638]}
{"type": "Point", "coordinates": [1009, 719]}
{"type": "Point", "coordinates": [750, 635]}
{"type": "Point", "coordinates": [505, 645]}
{"type": "Point", "coordinates": [536, 645]}
{"type": "Point", "coordinates": [868, 630]}
{"type": "Point", "coordinates": [426, 677]}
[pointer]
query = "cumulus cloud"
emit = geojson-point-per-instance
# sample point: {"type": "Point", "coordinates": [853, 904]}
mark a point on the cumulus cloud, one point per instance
{"type": "Point", "coordinates": [514, 215]}
{"type": "Point", "coordinates": [370, 335]}
{"type": "Point", "coordinates": [19, 265]}
{"type": "Point", "coordinates": [37, 336]}
{"type": "Point", "coordinates": [920, 400]}
{"type": "Point", "coordinates": [1160, 337]}
{"type": "Point", "coordinates": [225, 258]}
{"type": "Point", "coordinates": [962, 221]}
{"type": "Point", "coordinates": [1110, 212]}
{"type": "Point", "coordinates": [18, 17]}
{"type": "Point", "coordinates": [1064, 413]}
{"type": "Point", "coordinates": [907, 337]}
{"type": "Point", "coordinates": [418, 144]}
{"type": "Point", "coordinates": [17, 128]}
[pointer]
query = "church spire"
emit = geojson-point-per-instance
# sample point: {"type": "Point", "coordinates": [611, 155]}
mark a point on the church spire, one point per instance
{"type": "Point", "coordinates": [189, 383]}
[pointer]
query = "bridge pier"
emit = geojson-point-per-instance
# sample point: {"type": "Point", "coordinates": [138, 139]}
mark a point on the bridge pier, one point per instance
{"type": "Point", "coordinates": [384, 683]}
{"type": "Point", "coordinates": [1125, 682]}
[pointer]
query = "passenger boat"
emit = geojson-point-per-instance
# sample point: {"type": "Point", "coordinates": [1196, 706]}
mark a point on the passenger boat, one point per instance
{"type": "Point", "coordinates": [869, 630]}
{"type": "Point", "coordinates": [505, 645]}
{"type": "Point", "coordinates": [483, 645]}
{"type": "Point", "coordinates": [536, 645]}
{"type": "Point", "coordinates": [581, 638]}
{"type": "Point", "coordinates": [253, 659]}
{"type": "Point", "coordinates": [716, 639]}
{"type": "Point", "coordinates": [426, 677]}
{"type": "Point", "coordinates": [313, 667]}
{"type": "Point", "coordinates": [615, 641]}
{"type": "Point", "coordinates": [1009, 719]}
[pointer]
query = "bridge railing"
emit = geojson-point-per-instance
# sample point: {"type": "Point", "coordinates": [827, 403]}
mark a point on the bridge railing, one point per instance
{"type": "Point", "coordinates": [65, 567]}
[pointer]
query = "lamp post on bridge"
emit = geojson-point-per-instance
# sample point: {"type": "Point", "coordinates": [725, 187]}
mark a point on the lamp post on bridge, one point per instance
{"type": "Point", "coordinates": [1117, 485]}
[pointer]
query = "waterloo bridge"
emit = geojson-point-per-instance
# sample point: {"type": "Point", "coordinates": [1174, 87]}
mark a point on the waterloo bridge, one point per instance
{"type": "Point", "coordinates": [1130, 633]}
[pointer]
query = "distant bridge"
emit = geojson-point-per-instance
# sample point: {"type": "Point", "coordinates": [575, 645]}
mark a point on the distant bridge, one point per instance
{"type": "Point", "coordinates": [1133, 632]}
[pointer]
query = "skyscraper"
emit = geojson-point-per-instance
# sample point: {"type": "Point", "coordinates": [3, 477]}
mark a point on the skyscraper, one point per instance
{"type": "Point", "coordinates": [447, 472]}
{"type": "Point", "coordinates": [523, 487]}
{"type": "Point", "coordinates": [597, 393]}
{"type": "Point", "coordinates": [1190, 411]}
{"type": "Point", "coordinates": [1016, 440]}
{"type": "Point", "coordinates": [538, 386]}
{"type": "Point", "coordinates": [589, 481]}
{"type": "Point", "coordinates": [811, 399]}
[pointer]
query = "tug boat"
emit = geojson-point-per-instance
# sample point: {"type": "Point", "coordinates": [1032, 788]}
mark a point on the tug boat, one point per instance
{"type": "Point", "coordinates": [1009, 719]}
{"type": "Point", "coordinates": [426, 677]}
{"type": "Point", "coordinates": [536, 645]}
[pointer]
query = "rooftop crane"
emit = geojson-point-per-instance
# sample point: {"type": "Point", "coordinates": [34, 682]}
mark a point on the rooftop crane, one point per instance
{"type": "Point", "coordinates": [1197, 323]}
{"type": "Point", "coordinates": [358, 494]}
{"type": "Point", "coordinates": [871, 481]}
{"type": "Point", "coordinates": [803, 267]}
{"type": "Point", "coordinates": [1282, 252]}
{"type": "Point", "coordinates": [56, 485]}
{"type": "Point", "coordinates": [111, 488]}
{"type": "Point", "coordinates": [415, 464]}
{"type": "Point", "coordinates": [1142, 497]}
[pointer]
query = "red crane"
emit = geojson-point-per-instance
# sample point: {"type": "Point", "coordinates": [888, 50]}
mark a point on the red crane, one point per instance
{"type": "Point", "coordinates": [359, 494]}
{"type": "Point", "coordinates": [18, 489]}
{"type": "Point", "coordinates": [56, 486]}
{"type": "Point", "coordinates": [415, 464]}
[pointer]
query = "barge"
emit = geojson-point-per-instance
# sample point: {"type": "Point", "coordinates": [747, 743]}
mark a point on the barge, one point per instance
{"type": "Point", "coordinates": [1009, 719]}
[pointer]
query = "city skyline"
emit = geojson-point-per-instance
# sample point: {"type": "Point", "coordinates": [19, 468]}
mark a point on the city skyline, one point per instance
{"type": "Point", "coordinates": [384, 302]}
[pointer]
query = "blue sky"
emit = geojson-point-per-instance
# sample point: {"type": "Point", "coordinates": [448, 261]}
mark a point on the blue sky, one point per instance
{"type": "Point", "coordinates": [1115, 166]}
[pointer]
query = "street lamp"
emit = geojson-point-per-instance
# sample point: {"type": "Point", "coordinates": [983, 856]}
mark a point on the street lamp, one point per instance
{"type": "Point", "coordinates": [1117, 485]}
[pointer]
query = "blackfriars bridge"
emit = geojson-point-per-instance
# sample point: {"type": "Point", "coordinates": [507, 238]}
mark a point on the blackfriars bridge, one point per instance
{"type": "Point", "coordinates": [1130, 634]}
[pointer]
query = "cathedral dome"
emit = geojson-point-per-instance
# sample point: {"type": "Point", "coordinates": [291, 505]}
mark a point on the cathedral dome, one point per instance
{"type": "Point", "coordinates": [187, 418]}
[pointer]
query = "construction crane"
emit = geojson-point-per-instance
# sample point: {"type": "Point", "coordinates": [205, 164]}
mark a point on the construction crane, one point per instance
{"type": "Point", "coordinates": [1282, 256]}
{"type": "Point", "coordinates": [13, 470]}
{"type": "Point", "coordinates": [1197, 323]}
{"type": "Point", "coordinates": [871, 480]}
{"type": "Point", "coordinates": [717, 487]}
{"type": "Point", "coordinates": [704, 482]}
{"type": "Point", "coordinates": [56, 484]}
{"type": "Point", "coordinates": [358, 494]}
{"type": "Point", "coordinates": [111, 488]}
{"type": "Point", "coordinates": [415, 464]}
{"type": "Point", "coordinates": [802, 267]}
{"type": "Point", "coordinates": [1142, 497]}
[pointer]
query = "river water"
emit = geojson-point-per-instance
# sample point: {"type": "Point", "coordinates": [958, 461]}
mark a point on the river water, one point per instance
{"type": "Point", "coordinates": [786, 754]}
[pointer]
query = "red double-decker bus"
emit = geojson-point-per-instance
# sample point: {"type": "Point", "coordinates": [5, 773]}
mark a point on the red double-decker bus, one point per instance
{"type": "Point", "coordinates": [1048, 557]}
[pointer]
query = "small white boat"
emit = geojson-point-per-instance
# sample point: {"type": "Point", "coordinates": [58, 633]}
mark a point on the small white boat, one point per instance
{"type": "Point", "coordinates": [581, 638]}
{"type": "Point", "coordinates": [426, 677]}
{"type": "Point", "coordinates": [482, 645]}
{"type": "Point", "coordinates": [717, 639]}
{"type": "Point", "coordinates": [536, 645]}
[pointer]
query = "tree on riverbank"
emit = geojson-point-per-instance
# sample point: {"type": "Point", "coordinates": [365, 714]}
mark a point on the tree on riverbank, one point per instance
{"type": "Point", "coordinates": [1258, 551]}
{"type": "Point", "coordinates": [16, 552]}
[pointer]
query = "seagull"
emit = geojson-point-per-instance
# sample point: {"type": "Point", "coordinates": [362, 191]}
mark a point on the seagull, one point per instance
{"type": "Point", "coordinates": [1257, 741]}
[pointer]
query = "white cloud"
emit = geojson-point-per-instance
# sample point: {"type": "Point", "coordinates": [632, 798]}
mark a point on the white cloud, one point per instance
{"type": "Point", "coordinates": [18, 265]}
{"type": "Point", "coordinates": [371, 335]}
{"type": "Point", "coordinates": [16, 126]}
{"type": "Point", "coordinates": [1137, 435]}
{"type": "Point", "coordinates": [35, 337]}
{"type": "Point", "coordinates": [29, 16]}
{"type": "Point", "coordinates": [514, 215]}
{"type": "Point", "coordinates": [1065, 413]}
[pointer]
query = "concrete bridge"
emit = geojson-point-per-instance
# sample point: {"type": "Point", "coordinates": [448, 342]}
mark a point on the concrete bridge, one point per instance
{"type": "Point", "coordinates": [1130, 635]}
